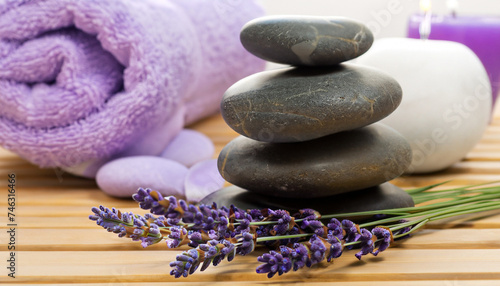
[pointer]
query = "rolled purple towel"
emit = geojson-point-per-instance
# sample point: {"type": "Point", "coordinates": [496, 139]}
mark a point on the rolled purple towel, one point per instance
{"type": "Point", "coordinates": [82, 82]}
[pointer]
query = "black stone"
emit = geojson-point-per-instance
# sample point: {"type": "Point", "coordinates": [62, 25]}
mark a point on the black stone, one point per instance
{"type": "Point", "coordinates": [299, 104]}
{"type": "Point", "coordinates": [306, 40]}
{"type": "Point", "coordinates": [339, 163]}
{"type": "Point", "coordinates": [385, 196]}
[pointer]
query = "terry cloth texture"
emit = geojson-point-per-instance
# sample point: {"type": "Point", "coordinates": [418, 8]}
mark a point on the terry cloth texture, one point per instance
{"type": "Point", "coordinates": [87, 80]}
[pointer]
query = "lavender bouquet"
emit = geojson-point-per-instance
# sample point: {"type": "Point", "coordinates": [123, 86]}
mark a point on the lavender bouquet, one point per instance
{"type": "Point", "coordinates": [295, 241]}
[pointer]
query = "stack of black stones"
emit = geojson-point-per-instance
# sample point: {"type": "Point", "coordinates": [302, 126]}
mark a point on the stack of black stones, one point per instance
{"type": "Point", "coordinates": [309, 132]}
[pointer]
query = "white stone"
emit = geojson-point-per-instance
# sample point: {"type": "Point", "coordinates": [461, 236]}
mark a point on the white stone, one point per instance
{"type": "Point", "coordinates": [446, 102]}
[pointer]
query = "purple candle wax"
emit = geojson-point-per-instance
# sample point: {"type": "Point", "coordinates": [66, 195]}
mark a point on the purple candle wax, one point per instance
{"type": "Point", "coordinates": [480, 33]}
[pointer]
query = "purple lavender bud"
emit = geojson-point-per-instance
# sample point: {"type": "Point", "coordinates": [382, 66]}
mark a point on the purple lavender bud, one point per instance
{"type": "Point", "coordinates": [136, 234]}
{"type": "Point", "coordinates": [263, 230]}
{"type": "Point", "coordinates": [176, 237]}
{"type": "Point", "coordinates": [149, 240]}
{"type": "Point", "coordinates": [308, 214]}
{"type": "Point", "coordinates": [149, 199]}
{"type": "Point", "coordinates": [247, 243]}
{"type": "Point", "coordinates": [317, 249]}
{"type": "Point", "coordinates": [154, 229]}
{"type": "Point", "coordinates": [335, 247]}
{"type": "Point", "coordinates": [229, 250]}
{"type": "Point", "coordinates": [287, 263]}
{"type": "Point", "coordinates": [272, 263]}
{"type": "Point", "coordinates": [300, 256]}
{"type": "Point", "coordinates": [211, 251]}
{"type": "Point", "coordinates": [223, 224]}
{"type": "Point", "coordinates": [205, 210]}
{"type": "Point", "coordinates": [225, 209]}
{"type": "Point", "coordinates": [214, 252]}
{"type": "Point", "coordinates": [173, 221]}
{"type": "Point", "coordinates": [208, 224]}
{"type": "Point", "coordinates": [212, 234]}
{"type": "Point", "coordinates": [198, 219]}
{"type": "Point", "coordinates": [243, 226]}
{"type": "Point", "coordinates": [186, 263]}
{"type": "Point", "coordinates": [283, 225]}
{"type": "Point", "coordinates": [352, 231]}
{"type": "Point", "coordinates": [366, 243]}
{"type": "Point", "coordinates": [159, 221]}
{"type": "Point", "coordinates": [315, 225]}
{"type": "Point", "coordinates": [384, 238]}
{"type": "Point", "coordinates": [256, 214]}
{"type": "Point", "coordinates": [189, 213]}
{"type": "Point", "coordinates": [283, 218]}
{"type": "Point", "coordinates": [335, 228]}
{"type": "Point", "coordinates": [142, 197]}
{"type": "Point", "coordinates": [135, 220]}
{"type": "Point", "coordinates": [195, 239]}
{"type": "Point", "coordinates": [108, 219]}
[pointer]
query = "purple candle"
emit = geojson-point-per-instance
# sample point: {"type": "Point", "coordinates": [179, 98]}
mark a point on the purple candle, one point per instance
{"type": "Point", "coordinates": [480, 33]}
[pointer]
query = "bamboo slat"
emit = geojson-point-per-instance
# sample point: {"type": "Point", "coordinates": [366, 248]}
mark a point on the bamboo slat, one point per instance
{"type": "Point", "coordinates": [152, 266]}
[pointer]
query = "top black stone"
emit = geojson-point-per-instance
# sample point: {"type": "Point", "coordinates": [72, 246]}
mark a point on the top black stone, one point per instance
{"type": "Point", "coordinates": [306, 40]}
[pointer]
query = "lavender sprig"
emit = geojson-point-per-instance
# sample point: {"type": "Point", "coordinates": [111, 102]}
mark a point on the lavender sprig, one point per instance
{"type": "Point", "coordinates": [296, 241]}
{"type": "Point", "coordinates": [137, 227]}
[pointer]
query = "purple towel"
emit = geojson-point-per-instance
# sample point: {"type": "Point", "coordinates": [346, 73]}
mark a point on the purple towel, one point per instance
{"type": "Point", "coordinates": [86, 81]}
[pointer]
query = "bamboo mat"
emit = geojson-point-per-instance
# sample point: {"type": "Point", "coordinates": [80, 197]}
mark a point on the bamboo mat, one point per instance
{"type": "Point", "coordinates": [57, 244]}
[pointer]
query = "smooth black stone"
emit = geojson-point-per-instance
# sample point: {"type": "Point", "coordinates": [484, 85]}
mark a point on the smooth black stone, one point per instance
{"type": "Point", "coordinates": [306, 40]}
{"type": "Point", "coordinates": [385, 196]}
{"type": "Point", "coordinates": [300, 104]}
{"type": "Point", "coordinates": [339, 163]}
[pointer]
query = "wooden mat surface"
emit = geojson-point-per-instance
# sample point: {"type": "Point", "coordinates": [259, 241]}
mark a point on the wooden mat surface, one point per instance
{"type": "Point", "coordinates": [57, 244]}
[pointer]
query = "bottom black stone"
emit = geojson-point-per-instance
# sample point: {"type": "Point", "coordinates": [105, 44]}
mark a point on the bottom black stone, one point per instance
{"type": "Point", "coordinates": [385, 196]}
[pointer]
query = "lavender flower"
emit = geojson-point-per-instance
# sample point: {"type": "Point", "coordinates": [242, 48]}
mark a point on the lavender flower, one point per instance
{"type": "Point", "coordinates": [284, 221]}
{"type": "Point", "coordinates": [315, 226]}
{"type": "Point", "coordinates": [335, 247]}
{"type": "Point", "coordinates": [195, 238]}
{"type": "Point", "coordinates": [109, 219]}
{"type": "Point", "coordinates": [274, 262]}
{"type": "Point", "coordinates": [285, 260]}
{"type": "Point", "coordinates": [308, 214]}
{"type": "Point", "coordinates": [366, 243]}
{"type": "Point", "coordinates": [219, 233]}
{"type": "Point", "coordinates": [335, 229]}
{"type": "Point", "coordinates": [216, 251]}
{"type": "Point", "coordinates": [352, 231]}
{"type": "Point", "coordinates": [177, 237]}
{"type": "Point", "coordinates": [243, 226]}
{"type": "Point", "coordinates": [384, 239]}
{"type": "Point", "coordinates": [247, 241]}
{"type": "Point", "coordinates": [186, 263]}
{"type": "Point", "coordinates": [157, 204]}
{"type": "Point", "coordinates": [317, 249]}
{"type": "Point", "coordinates": [229, 250]}
{"type": "Point", "coordinates": [300, 256]}
{"type": "Point", "coordinates": [136, 227]}
{"type": "Point", "coordinates": [256, 214]}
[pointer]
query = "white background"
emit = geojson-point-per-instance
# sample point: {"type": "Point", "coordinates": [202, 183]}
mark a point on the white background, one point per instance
{"type": "Point", "coordinates": [389, 16]}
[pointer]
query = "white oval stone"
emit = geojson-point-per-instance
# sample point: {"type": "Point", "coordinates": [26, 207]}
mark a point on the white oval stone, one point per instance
{"type": "Point", "coordinates": [122, 177]}
{"type": "Point", "coordinates": [446, 102]}
{"type": "Point", "coordinates": [189, 147]}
